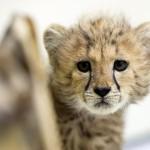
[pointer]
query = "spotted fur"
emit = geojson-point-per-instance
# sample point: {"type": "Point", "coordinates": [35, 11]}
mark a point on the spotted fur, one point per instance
{"type": "Point", "coordinates": [85, 123]}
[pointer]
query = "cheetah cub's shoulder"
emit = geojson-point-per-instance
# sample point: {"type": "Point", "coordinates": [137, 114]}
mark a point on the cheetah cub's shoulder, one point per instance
{"type": "Point", "coordinates": [100, 66]}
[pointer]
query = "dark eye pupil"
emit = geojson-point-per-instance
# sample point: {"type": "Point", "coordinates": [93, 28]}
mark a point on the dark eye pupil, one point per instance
{"type": "Point", "coordinates": [84, 66]}
{"type": "Point", "coordinates": [120, 65]}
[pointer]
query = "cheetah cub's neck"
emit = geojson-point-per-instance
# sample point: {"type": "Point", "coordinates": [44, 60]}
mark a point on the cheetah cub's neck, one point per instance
{"type": "Point", "coordinates": [99, 66]}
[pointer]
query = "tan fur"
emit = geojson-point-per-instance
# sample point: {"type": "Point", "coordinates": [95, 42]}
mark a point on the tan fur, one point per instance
{"type": "Point", "coordinates": [101, 41]}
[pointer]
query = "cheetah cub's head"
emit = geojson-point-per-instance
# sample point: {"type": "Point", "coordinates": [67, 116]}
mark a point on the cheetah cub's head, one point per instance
{"type": "Point", "coordinates": [100, 65]}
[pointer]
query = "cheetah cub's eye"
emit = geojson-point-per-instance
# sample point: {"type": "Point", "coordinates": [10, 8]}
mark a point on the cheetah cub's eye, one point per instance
{"type": "Point", "coordinates": [84, 66]}
{"type": "Point", "coordinates": [120, 65]}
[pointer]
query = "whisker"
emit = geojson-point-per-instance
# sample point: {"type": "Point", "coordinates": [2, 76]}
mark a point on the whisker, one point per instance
{"type": "Point", "coordinates": [89, 94]}
{"type": "Point", "coordinates": [113, 96]}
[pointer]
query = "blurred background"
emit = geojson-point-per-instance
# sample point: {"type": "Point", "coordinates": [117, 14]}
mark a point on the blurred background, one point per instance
{"type": "Point", "coordinates": [66, 12]}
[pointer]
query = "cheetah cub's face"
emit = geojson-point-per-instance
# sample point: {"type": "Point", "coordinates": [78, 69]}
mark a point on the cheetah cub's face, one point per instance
{"type": "Point", "coordinates": [99, 65]}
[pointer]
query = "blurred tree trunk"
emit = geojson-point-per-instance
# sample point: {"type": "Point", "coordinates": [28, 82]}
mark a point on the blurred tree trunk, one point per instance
{"type": "Point", "coordinates": [27, 117]}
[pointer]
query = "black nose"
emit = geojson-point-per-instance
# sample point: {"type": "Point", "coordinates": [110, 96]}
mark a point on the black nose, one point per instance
{"type": "Point", "coordinates": [102, 91]}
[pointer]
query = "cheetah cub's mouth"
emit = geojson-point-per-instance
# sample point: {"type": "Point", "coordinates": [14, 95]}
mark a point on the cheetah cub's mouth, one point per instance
{"type": "Point", "coordinates": [105, 104]}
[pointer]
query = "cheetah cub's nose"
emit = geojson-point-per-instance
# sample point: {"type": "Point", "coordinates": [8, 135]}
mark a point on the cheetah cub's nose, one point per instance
{"type": "Point", "coordinates": [102, 91]}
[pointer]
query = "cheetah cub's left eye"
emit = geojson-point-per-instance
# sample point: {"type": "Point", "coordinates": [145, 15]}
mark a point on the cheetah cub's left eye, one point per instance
{"type": "Point", "coordinates": [120, 65]}
{"type": "Point", "coordinates": [84, 66]}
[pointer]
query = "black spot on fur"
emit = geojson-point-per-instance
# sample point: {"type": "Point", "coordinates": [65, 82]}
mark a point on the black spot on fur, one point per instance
{"type": "Point", "coordinates": [88, 39]}
{"type": "Point", "coordinates": [113, 42]}
{"type": "Point", "coordinates": [81, 147]}
{"type": "Point", "coordinates": [68, 131]}
{"type": "Point", "coordinates": [120, 33]}
{"type": "Point", "coordinates": [72, 146]}
{"type": "Point", "coordinates": [84, 131]}
{"type": "Point", "coordinates": [98, 147]}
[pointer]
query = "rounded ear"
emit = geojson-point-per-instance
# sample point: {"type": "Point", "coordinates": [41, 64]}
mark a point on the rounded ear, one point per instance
{"type": "Point", "coordinates": [53, 36]}
{"type": "Point", "coordinates": [143, 35]}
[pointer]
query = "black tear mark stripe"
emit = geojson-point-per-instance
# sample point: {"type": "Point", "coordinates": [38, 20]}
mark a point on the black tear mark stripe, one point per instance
{"type": "Point", "coordinates": [88, 83]}
{"type": "Point", "coordinates": [115, 80]}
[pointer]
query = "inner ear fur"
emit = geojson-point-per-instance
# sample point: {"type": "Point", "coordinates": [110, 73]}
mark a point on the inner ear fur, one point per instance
{"type": "Point", "coordinates": [143, 35]}
{"type": "Point", "coordinates": [53, 36]}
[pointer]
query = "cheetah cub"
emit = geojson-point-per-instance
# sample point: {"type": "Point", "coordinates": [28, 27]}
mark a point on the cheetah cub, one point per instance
{"type": "Point", "coordinates": [99, 66]}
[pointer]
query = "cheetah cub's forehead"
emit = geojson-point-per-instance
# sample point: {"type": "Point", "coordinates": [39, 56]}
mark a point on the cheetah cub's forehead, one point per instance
{"type": "Point", "coordinates": [105, 29]}
{"type": "Point", "coordinates": [103, 35]}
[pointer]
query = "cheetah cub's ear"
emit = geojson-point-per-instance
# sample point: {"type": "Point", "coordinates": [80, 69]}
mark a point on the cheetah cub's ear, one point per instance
{"type": "Point", "coordinates": [53, 36]}
{"type": "Point", "coordinates": [143, 35]}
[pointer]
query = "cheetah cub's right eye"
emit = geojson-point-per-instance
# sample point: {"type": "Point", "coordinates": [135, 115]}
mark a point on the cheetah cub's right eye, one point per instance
{"type": "Point", "coordinates": [84, 66]}
{"type": "Point", "coordinates": [120, 65]}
